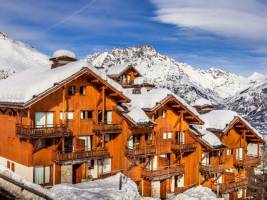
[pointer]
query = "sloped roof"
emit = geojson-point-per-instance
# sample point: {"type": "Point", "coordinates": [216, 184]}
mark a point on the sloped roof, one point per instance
{"type": "Point", "coordinates": [23, 87]}
{"type": "Point", "coordinates": [149, 100]}
{"type": "Point", "coordinates": [119, 69]}
{"type": "Point", "coordinates": [209, 138]}
{"type": "Point", "coordinates": [222, 119]}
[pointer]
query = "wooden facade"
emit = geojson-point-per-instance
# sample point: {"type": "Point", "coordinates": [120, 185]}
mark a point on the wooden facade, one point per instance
{"type": "Point", "coordinates": [75, 133]}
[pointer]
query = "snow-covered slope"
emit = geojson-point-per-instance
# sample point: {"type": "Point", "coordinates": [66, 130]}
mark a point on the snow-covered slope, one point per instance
{"type": "Point", "coordinates": [16, 56]}
{"type": "Point", "coordinates": [252, 104]}
{"type": "Point", "coordinates": [158, 69]}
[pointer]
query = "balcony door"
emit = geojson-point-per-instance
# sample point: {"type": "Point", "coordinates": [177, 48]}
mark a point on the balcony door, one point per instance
{"type": "Point", "coordinates": [205, 159]}
{"type": "Point", "coordinates": [107, 117]}
{"type": "Point", "coordinates": [180, 137]}
{"type": "Point", "coordinates": [87, 142]}
{"type": "Point", "coordinates": [180, 181]}
{"type": "Point", "coordinates": [239, 154]}
{"type": "Point", "coordinates": [44, 119]}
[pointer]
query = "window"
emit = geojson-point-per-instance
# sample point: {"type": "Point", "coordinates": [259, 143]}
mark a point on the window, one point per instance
{"type": "Point", "coordinates": [44, 119]}
{"type": "Point", "coordinates": [107, 137]}
{"type": "Point", "coordinates": [89, 114]}
{"type": "Point", "coordinates": [167, 135]}
{"type": "Point", "coordinates": [68, 115]}
{"type": "Point", "coordinates": [83, 114]}
{"type": "Point", "coordinates": [180, 137]}
{"type": "Point", "coordinates": [229, 152]}
{"type": "Point", "coordinates": [42, 175]}
{"type": "Point", "coordinates": [12, 167]}
{"type": "Point", "coordinates": [8, 164]}
{"type": "Point", "coordinates": [87, 141]}
{"type": "Point", "coordinates": [71, 90]}
{"type": "Point", "coordinates": [82, 90]}
{"type": "Point", "coordinates": [107, 165]}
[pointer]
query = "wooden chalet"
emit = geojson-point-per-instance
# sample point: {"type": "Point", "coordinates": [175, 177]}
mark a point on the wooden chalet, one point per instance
{"type": "Point", "coordinates": [241, 154]}
{"type": "Point", "coordinates": [69, 123]}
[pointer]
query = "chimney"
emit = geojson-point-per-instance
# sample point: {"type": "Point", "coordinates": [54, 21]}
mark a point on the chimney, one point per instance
{"type": "Point", "coordinates": [62, 57]}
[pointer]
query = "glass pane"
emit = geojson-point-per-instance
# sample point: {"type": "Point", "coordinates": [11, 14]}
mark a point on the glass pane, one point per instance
{"type": "Point", "coordinates": [38, 175]}
{"type": "Point", "coordinates": [39, 119]}
{"type": "Point", "coordinates": [69, 115]}
{"type": "Point", "coordinates": [107, 165]}
{"type": "Point", "coordinates": [47, 174]}
{"type": "Point", "coordinates": [50, 119]}
{"type": "Point", "coordinates": [109, 117]}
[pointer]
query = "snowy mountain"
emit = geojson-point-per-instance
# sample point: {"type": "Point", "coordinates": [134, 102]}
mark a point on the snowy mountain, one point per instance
{"type": "Point", "coordinates": [16, 56]}
{"type": "Point", "coordinates": [220, 87]}
{"type": "Point", "coordinates": [252, 103]}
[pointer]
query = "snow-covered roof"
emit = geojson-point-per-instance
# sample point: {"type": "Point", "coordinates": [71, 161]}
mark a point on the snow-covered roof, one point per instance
{"type": "Point", "coordinates": [120, 69]}
{"type": "Point", "coordinates": [24, 86]}
{"type": "Point", "coordinates": [221, 119]}
{"type": "Point", "coordinates": [202, 102]}
{"type": "Point", "coordinates": [150, 99]}
{"type": "Point", "coordinates": [64, 52]}
{"type": "Point", "coordinates": [207, 136]}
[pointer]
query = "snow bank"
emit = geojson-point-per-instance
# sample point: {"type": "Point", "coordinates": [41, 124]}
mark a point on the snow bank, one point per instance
{"type": "Point", "coordinates": [63, 52]}
{"type": "Point", "coordinates": [107, 188]}
{"type": "Point", "coordinates": [13, 189]}
{"type": "Point", "coordinates": [197, 193]}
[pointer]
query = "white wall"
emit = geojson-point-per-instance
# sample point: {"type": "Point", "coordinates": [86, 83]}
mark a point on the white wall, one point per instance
{"type": "Point", "coordinates": [25, 171]}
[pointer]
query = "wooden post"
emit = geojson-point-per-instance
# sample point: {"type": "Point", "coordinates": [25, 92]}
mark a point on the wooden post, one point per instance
{"type": "Point", "coordinates": [63, 104]}
{"type": "Point", "coordinates": [103, 114]}
{"type": "Point", "coordinates": [29, 117]}
{"type": "Point", "coordinates": [103, 104]}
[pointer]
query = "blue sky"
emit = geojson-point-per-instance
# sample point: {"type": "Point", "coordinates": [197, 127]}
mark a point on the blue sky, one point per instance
{"type": "Point", "coordinates": [205, 33]}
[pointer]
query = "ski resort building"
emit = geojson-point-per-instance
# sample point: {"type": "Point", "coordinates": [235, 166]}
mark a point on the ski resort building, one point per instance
{"type": "Point", "coordinates": [70, 122]}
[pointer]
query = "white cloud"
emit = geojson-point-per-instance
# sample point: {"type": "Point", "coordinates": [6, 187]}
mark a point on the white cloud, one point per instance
{"type": "Point", "coordinates": [229, 18]}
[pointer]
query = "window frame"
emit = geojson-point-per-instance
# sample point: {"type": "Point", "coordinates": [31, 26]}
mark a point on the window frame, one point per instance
{"type": "Point", "coordinates": [71, 90]}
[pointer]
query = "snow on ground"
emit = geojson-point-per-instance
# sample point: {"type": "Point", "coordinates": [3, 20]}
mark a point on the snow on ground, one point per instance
{"type": "Point", "coordinates": [107, 188]}
{"type": "Point", "coordinates": [197, 193]}
{"type": "Point", "coordinates": [104, 189]}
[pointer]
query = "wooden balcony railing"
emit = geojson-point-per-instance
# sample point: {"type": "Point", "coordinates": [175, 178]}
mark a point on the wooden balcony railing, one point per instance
{"type": "Point", "coordinates": [211, 169]}
{"type": "Point", "coordinates": [163, 172]}
{"type": "Point", "coordinates": [231, 186]}
{"type": "Point", "coordinates": [249, 161]}
{"type": "Point", "coordinates": [142, 130]}
{"type": "Point", "coordinates": [141, 151]}
{"type": "Point", "coordinates": [77, 156]}
{"type": "Point", "coordinates": [183, 148]}
{"type": "Point", "coordinates": [30, 132]}
{"type": "Point", "coordinates": [107, 128]}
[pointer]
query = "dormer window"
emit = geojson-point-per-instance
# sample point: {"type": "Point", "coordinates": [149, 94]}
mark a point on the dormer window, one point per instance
{"type": "Point", "coordinates": [71, 90]}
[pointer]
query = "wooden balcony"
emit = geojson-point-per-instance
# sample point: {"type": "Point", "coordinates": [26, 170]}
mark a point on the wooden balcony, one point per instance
{"type": "Point", "coordinates": [30, 132]}
{"type": "Point", "coordinates": [80, 156]}
{"type": "Point", "coordinates": [231, 186]}
{"type": "Point", "coordinates": [249, 161]}
{"type": "Point", "coordinates": [141, 151]}
{"type": "Point", "coordinates": [183, 148]}
{"type": "Point", "coordinates": [163, 172]}
{"type": "Point", "coordinates": [103, 128]}
{"type": "Point", "coordinates": [142, 130]}
{"type": "Point", "coordinates": [211, 170]}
